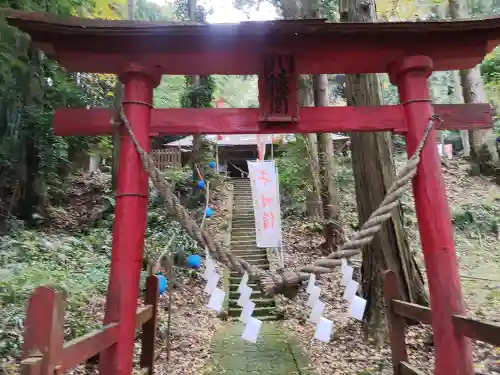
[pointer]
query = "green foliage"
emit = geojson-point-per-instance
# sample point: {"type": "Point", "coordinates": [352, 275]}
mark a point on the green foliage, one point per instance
{"type": "Point", "coordinates": [200, 96]}
{"type": "Point", "coordinates": [294, 176]}
{"type": "Point", "coordinates": [32, 160]}
{"type": "Point", "coordinates": [78, 265]}
{"type": "Point", "coordinates": [237, 91]}
{"type": "Point", "coordinates": [483, 217]}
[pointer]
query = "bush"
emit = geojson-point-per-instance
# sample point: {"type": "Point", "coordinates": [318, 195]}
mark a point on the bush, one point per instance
{"type": "Point", "coordinates": [78, 265]}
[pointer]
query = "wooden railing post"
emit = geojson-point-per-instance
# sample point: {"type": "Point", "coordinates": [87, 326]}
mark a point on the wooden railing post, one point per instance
{"type": "Point", "coordinates": [43, 333]}
{"type": "Point", "coordinates": [396, 322]}
{"type": "Point", "coordinates": [148, 338]}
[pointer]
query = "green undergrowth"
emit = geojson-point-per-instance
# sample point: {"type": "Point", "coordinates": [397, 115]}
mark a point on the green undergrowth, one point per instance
{"type": "Point", "coordinates": [77, 263]}
{"type": "Point", "coordinates": [28, 259]}
{"type": "Point", "coordinates": [483, 216]}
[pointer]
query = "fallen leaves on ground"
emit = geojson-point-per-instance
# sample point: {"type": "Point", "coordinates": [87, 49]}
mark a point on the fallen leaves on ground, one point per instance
{"type": "Point", "coordinates": [348, 352]}
{"type": "Point", "coordinates": [82, 204]}
{"type": "Point", "coordinates": [192, 323]}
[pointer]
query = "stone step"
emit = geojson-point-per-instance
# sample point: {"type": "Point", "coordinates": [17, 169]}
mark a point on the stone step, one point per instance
{"type": "Point", "coordinates": [242, 241]}
{"type": "Point", "coordinates": [242, 238]}
{"type": "Point", "coordinates": [239, 239]}
{"type": "Point", "coordinates": [258, 311]}
{"type": "Point", "coordinates": [270, 318]}
{"type": "Point", "coordinates": [255, 255]}
{"type": "Point", "coordinates": [259, 302]}
{"type": "Point", "coordinates": [248, 254]}
{"type": "Point", "coordinates": [243, 232]}
{"type": "Point", "coordinates": [233, 287]}
{"type": "Point", "coordinates": [256, 293]}
{"type": "Point", "coordinates": [245, 246]}
{"type": "Point", "coordinates": [260, 263]}
{"type": "Point", "coordinates": [243, 229]}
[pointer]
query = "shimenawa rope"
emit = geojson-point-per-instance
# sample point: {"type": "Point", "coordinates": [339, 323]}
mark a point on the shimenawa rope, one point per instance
{"type": "Point", "coordinates": [287, 280]}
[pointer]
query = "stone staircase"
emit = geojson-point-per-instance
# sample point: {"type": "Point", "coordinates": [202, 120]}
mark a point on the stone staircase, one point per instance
{"type": "Point", "coordinates": [243, 245]}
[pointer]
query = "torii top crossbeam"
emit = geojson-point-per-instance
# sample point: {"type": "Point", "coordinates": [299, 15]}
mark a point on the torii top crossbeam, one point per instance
{"type": "Point", "coordinates": [318, 47]}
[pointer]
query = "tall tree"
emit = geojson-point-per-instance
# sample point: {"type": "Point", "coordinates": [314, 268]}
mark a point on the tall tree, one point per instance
{"type": "Point", "coordinates": [373, 175]}
{"type": "Point", "coordinates": [459, 98]}
{"type": "Point", "coordinates": [332, 229]}
{"type": "Point", "coordinates": [291, 9]}
{"type": "Point", "coordinates": [320, 146]}
{"type": "Point", "coordinates": [482, 142]}
{"type": "Point", "coordinates": [197, 149]}
{"type": "Point", "coordinates": [119, 94]}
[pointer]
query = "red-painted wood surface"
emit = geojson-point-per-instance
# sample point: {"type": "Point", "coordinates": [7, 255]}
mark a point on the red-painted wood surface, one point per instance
{"type": "Point", "coordinates": [318, 47]}
{"type": "Point", "coordinates": [44, 351]}
{"type": "Point", "coordinates": [43, 333]}
{"type": "Point", "coordinates": [453, 353]}
{"type": "Point", "coordinates": [185, 121]}
{"type": "Point", "coordinates": [129, 225]}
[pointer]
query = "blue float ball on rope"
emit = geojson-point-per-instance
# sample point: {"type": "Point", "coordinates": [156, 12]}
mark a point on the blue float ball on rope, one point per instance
{"type": "Point", "coordinates": [200, 184]}
{"type": "Point", "coordinates": [193, 261]}
{"type": "Point", "coordinates": [212, 164]}
{"type": "Point", "coordinates": [209, 212]}
{"type": "Point", "coordinates": [162, 283]}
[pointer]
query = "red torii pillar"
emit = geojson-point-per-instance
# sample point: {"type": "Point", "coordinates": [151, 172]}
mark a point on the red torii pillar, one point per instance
{"type": "Point", "coordinates": [130, 219]}
{"type": "Point", "coordinates": [453, 353]}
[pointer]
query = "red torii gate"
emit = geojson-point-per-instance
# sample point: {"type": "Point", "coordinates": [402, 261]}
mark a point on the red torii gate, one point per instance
{"type": "Point", "coordinates": [278, 52]}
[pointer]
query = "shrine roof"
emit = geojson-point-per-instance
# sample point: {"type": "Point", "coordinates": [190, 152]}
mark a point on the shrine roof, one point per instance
{"type": "Point", "coordinates": [96, 45]}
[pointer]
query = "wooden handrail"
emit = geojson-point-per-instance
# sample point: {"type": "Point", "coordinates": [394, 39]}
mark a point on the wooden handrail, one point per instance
{"type": "Point", "coordinates": [487, 332]}
{"type": "Point", "coordinates": [398, 310]}
{"type": "Point", "coordinates": [412, 311]}
{"type": "Point", "coordinates": [407, 369]}
{"type": "Point", "coordinates": [44, 351]}
{"type": "Point", "coordinates": [144, 314]}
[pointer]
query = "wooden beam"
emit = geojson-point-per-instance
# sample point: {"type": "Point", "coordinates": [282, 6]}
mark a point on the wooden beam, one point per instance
{"type": "Point", "coordinates": [84, 347]}
{"type": "Point", "coordinates": [187, 121]}
{"type": "Point", "coordinates": [488, 332]}
{"type": "Point", "coordinates": [412, 311]}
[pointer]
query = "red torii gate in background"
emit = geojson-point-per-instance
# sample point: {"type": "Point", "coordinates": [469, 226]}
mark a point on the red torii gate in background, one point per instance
{"type": "Point", "coordinates": [278, 52]}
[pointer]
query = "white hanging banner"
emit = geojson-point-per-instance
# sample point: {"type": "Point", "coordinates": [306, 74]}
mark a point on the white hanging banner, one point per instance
{"type": "Point", "coordinates": [266, 202]}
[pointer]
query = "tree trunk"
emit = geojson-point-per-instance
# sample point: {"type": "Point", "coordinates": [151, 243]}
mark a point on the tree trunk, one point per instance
{"type": "Point", "coordinates": [323, 167]}
{"type": "Point", "coordinates": [373, 175]}
{"type": "Point", "coordinates": [482, 142]}
{"type": "Point", "coordinates": [332, 230]}
{"type": "Point", "coordinates": [459, 98]}
{"type": "Point", "coordinates": [197, 149]}
{"type": "Point", "coordinates": [314, 201]}
{"type": "Point", "coordinates": [292, 9]}
{"type": "Point", "coordinates": [119, 92]}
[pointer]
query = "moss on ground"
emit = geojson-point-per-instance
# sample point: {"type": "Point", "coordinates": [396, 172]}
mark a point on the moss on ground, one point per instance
{"type": "Point", "coordinates": [275, 352]}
